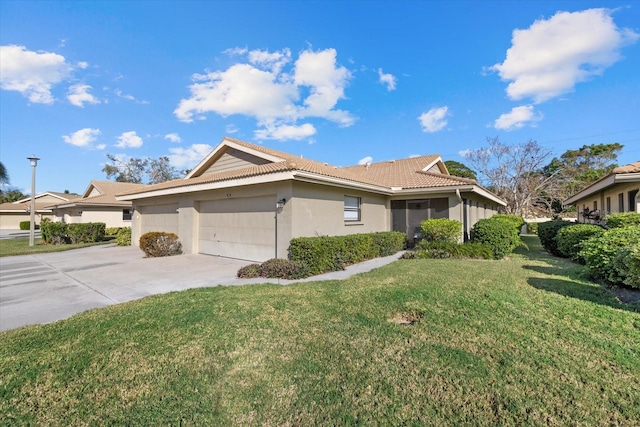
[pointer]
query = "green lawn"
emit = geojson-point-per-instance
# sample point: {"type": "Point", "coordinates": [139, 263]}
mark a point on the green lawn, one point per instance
{"type": "Point", "coordinates": [11, 247]}
{"type": "Point", "coordinates": [523, 341]}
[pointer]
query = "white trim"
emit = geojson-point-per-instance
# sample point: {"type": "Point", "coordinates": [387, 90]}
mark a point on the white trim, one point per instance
{"type": "Point", "coordinates": [435, 162]}
{"type": "Point", "coordinates": [603, 184]}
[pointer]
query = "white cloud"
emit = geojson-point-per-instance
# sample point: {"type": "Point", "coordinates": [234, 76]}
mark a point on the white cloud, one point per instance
{"type": "Point", "coordinates": [78, 95]}
{"type": "Point", "coordinates": [186, 158]}
{"type": "Point", "coordinates": [387, 79]}
{"type": "Point", "coordinates": [464, 153]}
{"type": "Point", "coordinates": [33, 74]}
{"type": "Point", "coordinates": [517, 118]}
{"type": "Point", "coordinates": [129, 140]}
{"type": "Point", "coordinates": [120, 94]}
{"type": "Point", "coordinates": [173, 137]}
{"type": "Point", "coordinates": [231, 129]}
{"type": "Point", "coordinates": [285, 132]}
{"type": "Point", "coordinates": [365, 160]}
{"type": "Point", "coordinates": [434, 119]}
{"type": "Point", "coordinates": [550, 57]}
{"type": "Point", "coordinates": [83, 138]}
{"type": "Point", "coordinates": [261, 89]}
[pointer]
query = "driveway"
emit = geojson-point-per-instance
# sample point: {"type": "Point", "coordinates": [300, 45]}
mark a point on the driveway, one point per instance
{"type": "Point", "coordinates": [36, 289]}
{"type": "Point", "coordinates": [47, 287]}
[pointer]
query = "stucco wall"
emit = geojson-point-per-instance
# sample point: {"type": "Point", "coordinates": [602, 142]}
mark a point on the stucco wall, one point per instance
{"type": "Point", "coordinates": [319, 210]}
{"type": "Point", "coordinates": [613, 193]}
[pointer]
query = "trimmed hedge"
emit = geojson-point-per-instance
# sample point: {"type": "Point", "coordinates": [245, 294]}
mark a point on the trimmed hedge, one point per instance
{"type": "Point", "coordinates": [332, 253]}
{"type": "Point", "coordinates": [160, 244]}
{"type": "Point", "coordinates": [547, 232]}
{"type": "Point", "coordinates": [515, 220]}
{"type": "Point", "coordinates": [124, 236]}
{"type": "Point", "coordinates": [569, 239]}
{"type": "Point", "coordinates": [112, 231]}
{"type": "Point", "coordinates": [55, 233]}
{"type": "Point", "coordinates": [620, 220]}
{"type": "Point", "coordinates": [442, 249]}
{"type": "Point", "coordinates": [607, 258]}
{"type": "Point", "coordinates": [499, 234]}
{"type": "Point", "coordinates": [26, 225]}
{"type": "Point", "coordinates": [89, 232]}
{"type": "Point", "coordinates": [441, 230]}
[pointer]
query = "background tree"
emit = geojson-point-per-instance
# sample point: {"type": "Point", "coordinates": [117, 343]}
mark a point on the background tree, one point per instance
{"type": "Point", "coordinates": [135, 170]}
{"type": "Point", "coordinates": [513, 172]}
{"type": "Point", "coordinates": [4, 175]}
{"type": "Point", "coordinates": [460, 169]}
{"type": "Point", "coordinates": [11, 196]}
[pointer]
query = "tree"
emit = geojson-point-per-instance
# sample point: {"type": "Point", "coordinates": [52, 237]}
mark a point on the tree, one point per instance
{"type": "Point", "coordinates": [576, 169]}
{"type": "Point", "coordinates": [460, 169]}
{"type": "Point", "coordinates": [135, 170]}
{"type": "Point", "coordinates": [12, 196]}
{"type": "Point", "coordinates": [513, 172]}
{"type": "Point", "coordinates": [4, 175]}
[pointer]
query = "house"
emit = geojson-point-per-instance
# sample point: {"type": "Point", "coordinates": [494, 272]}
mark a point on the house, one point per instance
{"type": "Point", "coordinates": [12, 214]}
{"type": "Point", "coordinates": [97, 204]}
{"type": "Point", "coordinates": [616, 192]}
{"type": "Point", "coordinates": [247, 201]}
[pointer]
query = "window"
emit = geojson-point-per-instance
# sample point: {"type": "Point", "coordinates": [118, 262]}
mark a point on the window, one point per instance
{"type": "Point", "coordinates": [595, 205]}
{"type": "Point", "coordinates": [608, 204]}
{"type": "Point", "coordinates": [126, 214]}
{"type": "Point", "coordinates": [351, 208]}
{"type": "Point", "coordinates": [621, 202]}
{"type": "Point", "coordinates": [632, 200]}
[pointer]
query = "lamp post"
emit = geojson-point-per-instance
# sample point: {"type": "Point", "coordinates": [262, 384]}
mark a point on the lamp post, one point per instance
{"type": "Point", "coordinates": [32, 228]}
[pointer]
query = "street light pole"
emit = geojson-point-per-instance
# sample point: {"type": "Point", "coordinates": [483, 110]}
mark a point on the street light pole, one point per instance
{"type": "Point", "coordinates": [32, 228]}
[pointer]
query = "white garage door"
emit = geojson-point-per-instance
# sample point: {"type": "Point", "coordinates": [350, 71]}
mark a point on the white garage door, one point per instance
{"type": "Point", "coordinates": [238, 228]}
{"type": "Point", "coordinates": [159, 218]}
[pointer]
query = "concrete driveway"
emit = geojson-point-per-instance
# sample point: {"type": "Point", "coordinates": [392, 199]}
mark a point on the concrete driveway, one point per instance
{"type": "Point", "coordinates": [47, 287]}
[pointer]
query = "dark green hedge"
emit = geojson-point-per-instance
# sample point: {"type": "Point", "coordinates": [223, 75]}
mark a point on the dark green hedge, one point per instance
{"type": "Point", "coordinates": [498, 233]}
{"type": "Point", "coordinates": [26, 225]}
{"type": "Point", "coordinates": [332, 253]}
{"type": "Point", "coordinates": [569, 239]}
{"type": "Point", "coordinates": [60, 233]}
{"type": "Point", "coordinates": [547, 232]}
{"type": "Point", "coordinates": [620, 220]}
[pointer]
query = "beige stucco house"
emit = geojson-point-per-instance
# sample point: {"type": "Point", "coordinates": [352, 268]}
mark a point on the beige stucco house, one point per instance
{"type": "Point", "coordinates": [12, 214]}
{"type": "Point", "coordinates": [616, 192]}
{"type": "Point", "coordinates": [247, 201]}
{"type": "Point", "coordinates": [98, 204]}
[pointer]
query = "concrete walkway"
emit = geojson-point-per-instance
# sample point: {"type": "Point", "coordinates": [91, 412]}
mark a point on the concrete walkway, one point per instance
{"type": "Point", "coordinates": [43, 288]}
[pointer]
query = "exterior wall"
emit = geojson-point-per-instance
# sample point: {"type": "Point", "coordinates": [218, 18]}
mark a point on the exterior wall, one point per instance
{"type": "Point", "coordinates": [112, 217]}
{"type": "Point", "coordinates": [613, 193]}
{"type": "Point", "coordinates": [319, 210]}
{"type": "Point", "coordinates": [11, 221]}
{"type": "Point", "coordinates": [234, 159]}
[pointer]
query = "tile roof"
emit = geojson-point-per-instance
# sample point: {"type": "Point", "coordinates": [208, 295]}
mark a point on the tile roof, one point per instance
{"type": "Point", "coordinates": [22, 207]}
{"type": "Point", "coordinates": [630, 168]}
{"type": "Point", "coordinates": [405, 173]}
{"type": "Point", "coordinates": [107, 196]}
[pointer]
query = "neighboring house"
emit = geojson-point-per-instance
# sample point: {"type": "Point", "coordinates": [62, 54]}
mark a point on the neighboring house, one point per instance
{"type": "Point", "coordinates": [247, 201]}
{"type": "Point", "coordinates": [12, 214]}
{"type": "Point", "coordinates": [98, 204]}
{"type": "Point", "coordinates": [616, 192]}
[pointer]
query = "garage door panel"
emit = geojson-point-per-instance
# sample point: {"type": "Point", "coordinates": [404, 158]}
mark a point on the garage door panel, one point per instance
{"type": "Point", "coordinates": [238, 228]}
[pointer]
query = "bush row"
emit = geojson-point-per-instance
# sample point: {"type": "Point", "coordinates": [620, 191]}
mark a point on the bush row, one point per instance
{"type": "Point", "coordinates": [620, 220]}
{"type": "Point", "coordinates": [443, 249]}
{"type": "Point", "coordinates": [60, 233]}
{"type": "Point", "coordinates": [26, 225]}
{"type": "Point", "coordinates": [275, 268]}
{"type": "Point", "coordinates": [332, 253]}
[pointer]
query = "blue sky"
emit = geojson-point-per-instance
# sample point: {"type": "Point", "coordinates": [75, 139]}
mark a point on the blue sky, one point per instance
{"type": "Point", "coordinates": [341, 82]}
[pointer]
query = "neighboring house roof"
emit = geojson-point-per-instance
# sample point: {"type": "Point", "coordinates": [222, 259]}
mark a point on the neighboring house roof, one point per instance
{"type": "Point", "coordinates": [622, 174]}
{"type": "Point", "coordinates": [23, 205]}
{"type": "Point", "coordinates": [424, 173]}
{"type": "Point", "coordinates": [16, 207]}
{"type": "Point", "coordinates": [48, 195]}
{"type": "Point", "coordinates": [101, 193]}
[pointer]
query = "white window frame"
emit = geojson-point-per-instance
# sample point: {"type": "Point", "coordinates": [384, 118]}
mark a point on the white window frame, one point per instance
{"type": "Point", "coordinates": [352, 211]}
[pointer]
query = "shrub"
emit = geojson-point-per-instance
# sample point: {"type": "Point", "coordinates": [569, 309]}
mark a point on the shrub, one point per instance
{"type": "Point", "coordinates": [55, 233]}
{"type": "Point", "coordinates": [277, 268]}
{"type": "Point", "coordinates": [569, 239]}
{"type": "Point", "coordinates": [332, 253]}
{"type": "Point", "coordinates": [622, 219]}
{"type": "Point", "coordinates": [89, 232]}
{"type": "Point", "coordinates": [160, 243]}
{"type": "Point", "coordinates": [249, 271]}
{"type": "Point", "coordinates": [500, 235]}
{"type": "Point", "coordinates": [112, 231]}
{"type": "Point", "coordinates": [26, 225]}
{"type": "Point", "coordinates": [124, 236]}
{"type": "Point", "coordinates": [427, 249]}
{"type": "Point", "coordinates": [601, 253]}
{"type": "Point", "coordinates": [547, 232]}
{"type": "Point", "coordinates": [627, 263]}
{"type": "Point", "coordinates": [441, 230]}
{"type": "Point", "coordinates": [515, 220]}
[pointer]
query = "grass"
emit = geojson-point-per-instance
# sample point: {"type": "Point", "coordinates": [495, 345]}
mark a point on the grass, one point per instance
{"type": "Point", "coordinates": [12, 247]}
{"type": "Point", "coordinates": [523, 341]}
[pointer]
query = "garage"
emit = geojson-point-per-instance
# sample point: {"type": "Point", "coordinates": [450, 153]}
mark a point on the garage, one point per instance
{"type": "Point", "coordinates": [241, 228]}
{"type": "Point", "coordinates": [158, 218]}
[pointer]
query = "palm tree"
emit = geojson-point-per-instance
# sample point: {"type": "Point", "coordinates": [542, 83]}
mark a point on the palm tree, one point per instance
{"type": "Point", "coordinates": [4, 175]}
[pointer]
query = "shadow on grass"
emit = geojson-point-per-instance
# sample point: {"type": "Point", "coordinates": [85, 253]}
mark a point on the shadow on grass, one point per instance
{"type": "Point", "coordinates": [569, 288]}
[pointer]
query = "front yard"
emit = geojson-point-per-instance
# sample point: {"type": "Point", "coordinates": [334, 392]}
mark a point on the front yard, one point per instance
{"type": "Point", "coordinates": [522, 341]}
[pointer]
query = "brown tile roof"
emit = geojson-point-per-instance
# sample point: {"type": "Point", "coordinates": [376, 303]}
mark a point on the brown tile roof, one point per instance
{"type": "Point", "coordinates": [21, 207]}
{"type": "Point", "coordinates": [108, 190]}
{"type": "Point", "coordinates": [630, 168]}
{"type": "Point", "coordinates": [405, 173]}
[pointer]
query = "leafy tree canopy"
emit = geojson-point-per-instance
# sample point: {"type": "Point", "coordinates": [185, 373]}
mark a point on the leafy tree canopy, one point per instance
{"type": "Point", "coordinates": [135, 170]}
{"type": "Point", "coordinates": [460, 169]}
